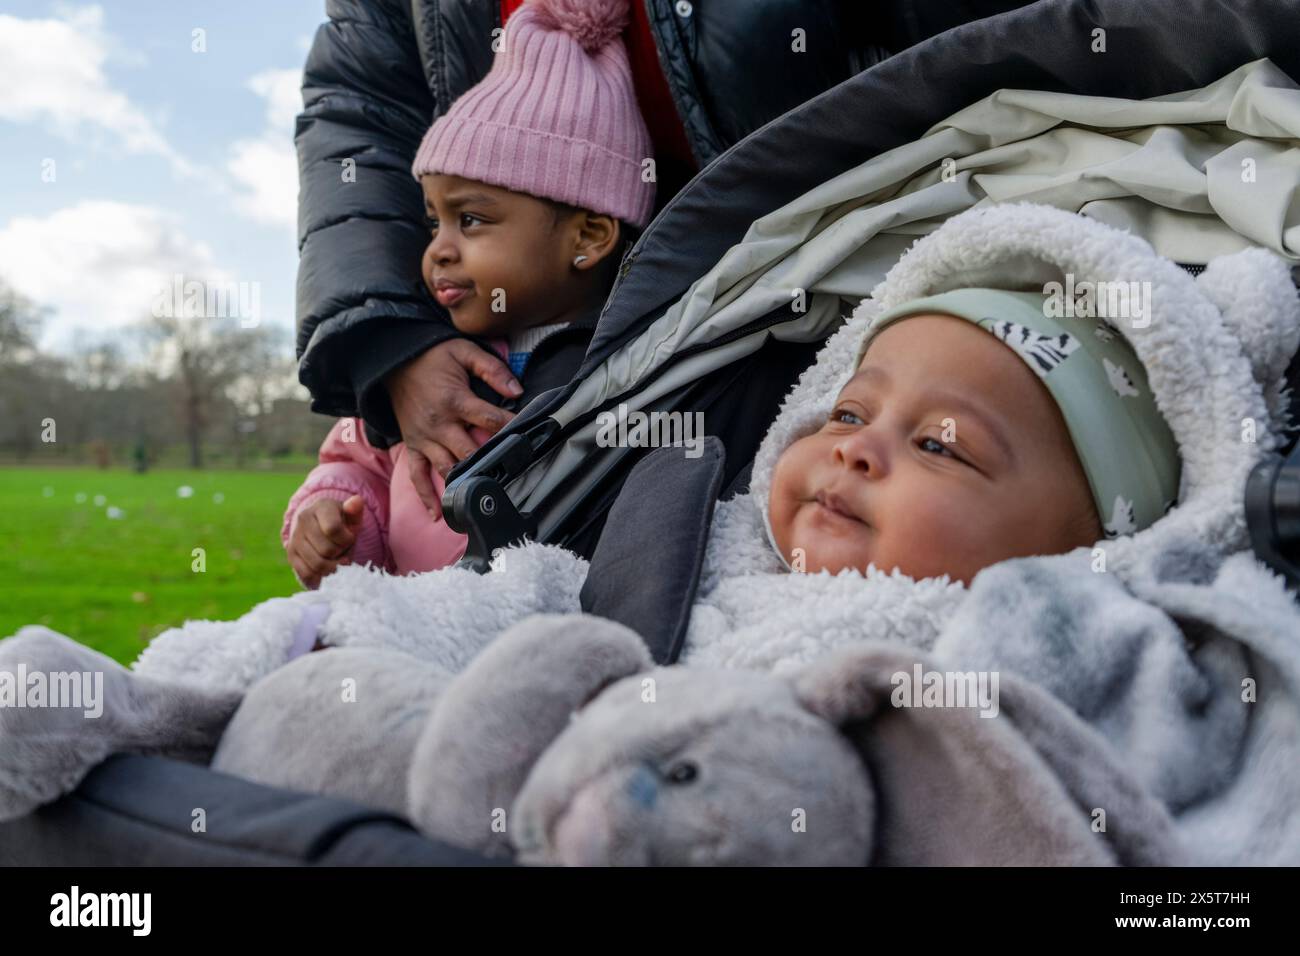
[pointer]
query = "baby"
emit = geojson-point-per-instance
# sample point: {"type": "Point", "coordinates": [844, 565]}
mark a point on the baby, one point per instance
{"type": "Point", "coordinates": [532, 189]}
{"type": "Point", "coordinates": [948, 450]}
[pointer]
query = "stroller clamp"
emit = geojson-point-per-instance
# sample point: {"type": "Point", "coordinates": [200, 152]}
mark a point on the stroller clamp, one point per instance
{"type": "Point", "coordinates": [1273, 514]}
{"type": "Point", "coordinates": [477, 505]}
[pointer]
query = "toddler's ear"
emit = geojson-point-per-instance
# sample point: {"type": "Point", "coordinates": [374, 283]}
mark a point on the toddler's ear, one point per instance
{"type": "Point", "coordinates": [1254, 291]}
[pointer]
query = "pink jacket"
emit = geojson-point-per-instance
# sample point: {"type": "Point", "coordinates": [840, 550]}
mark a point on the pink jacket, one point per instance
{"type": "Point", "coordinates": [397, 532]}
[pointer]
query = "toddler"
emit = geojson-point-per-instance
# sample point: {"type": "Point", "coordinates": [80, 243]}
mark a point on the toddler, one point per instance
{"type": "Point", "coordinates": [532, 183]}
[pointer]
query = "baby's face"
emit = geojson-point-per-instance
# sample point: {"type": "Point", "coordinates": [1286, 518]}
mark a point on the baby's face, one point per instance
{"type": "Point", "coordinates": [944, 454]}
{"type": "Point", "coordinates": [491, 246]}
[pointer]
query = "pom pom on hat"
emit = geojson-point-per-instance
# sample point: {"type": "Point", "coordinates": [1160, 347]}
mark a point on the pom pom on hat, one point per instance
{"type": "Point", "coordinates": [593, 23]}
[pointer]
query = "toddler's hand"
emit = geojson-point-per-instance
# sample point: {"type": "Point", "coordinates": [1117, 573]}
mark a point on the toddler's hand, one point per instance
{"type": "Point", "coordinates": [436, 410]}
{"type": "Point", "coordinates": [323, 534]}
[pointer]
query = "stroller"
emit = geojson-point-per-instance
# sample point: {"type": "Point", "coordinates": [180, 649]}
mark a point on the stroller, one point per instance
{"type": "Point", "coordinates": [545, 476]}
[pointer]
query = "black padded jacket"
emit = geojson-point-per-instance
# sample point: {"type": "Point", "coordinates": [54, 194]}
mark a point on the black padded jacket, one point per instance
{"type": "Point", "coordinates": [380, 71]}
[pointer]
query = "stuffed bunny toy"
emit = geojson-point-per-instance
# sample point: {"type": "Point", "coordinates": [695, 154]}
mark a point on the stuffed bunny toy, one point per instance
{"type": "Point", "coordinates": [561, 744]}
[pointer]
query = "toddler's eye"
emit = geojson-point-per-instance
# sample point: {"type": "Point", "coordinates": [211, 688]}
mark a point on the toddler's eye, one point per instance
{"type": "Point", "coordinates": [466, 220]}
{"type": "Point", "coordinates": [840, 416]}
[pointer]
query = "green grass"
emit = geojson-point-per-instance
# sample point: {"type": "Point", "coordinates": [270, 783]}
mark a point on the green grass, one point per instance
{"type": "Point", "coordinates": [114, 584]}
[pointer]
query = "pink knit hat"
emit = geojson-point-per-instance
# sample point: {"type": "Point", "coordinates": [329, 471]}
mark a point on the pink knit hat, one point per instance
{"type": "Point", "coordinates": [556, 116]}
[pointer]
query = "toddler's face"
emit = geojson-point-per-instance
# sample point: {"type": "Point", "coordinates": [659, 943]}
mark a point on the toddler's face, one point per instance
{"type": "Point", "coordinates": [944, 454]}
{"type": "Point", "coordinates": [490, 245]}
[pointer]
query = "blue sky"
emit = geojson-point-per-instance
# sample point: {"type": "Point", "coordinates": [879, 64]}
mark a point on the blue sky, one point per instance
{"type": "Point", "coordinates": [164, 160]}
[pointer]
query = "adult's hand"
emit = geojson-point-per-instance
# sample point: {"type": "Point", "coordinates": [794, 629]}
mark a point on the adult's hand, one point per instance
{"type": "Point", "coordinates": [435, 408]}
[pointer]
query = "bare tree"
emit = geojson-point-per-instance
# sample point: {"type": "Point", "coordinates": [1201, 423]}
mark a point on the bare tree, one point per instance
{"type": "Point", "coordinates": [99, 366]}
{"type": "Point", "coordinates": [267, 372]}
{"type": "Point", "coordinates": [205, 383]}
{"type": "Point", "coordinates": [201, 357]}
{"type": "Point", "coordinates": [20, 322]}
{"type": "Point", "coordinates": [23, 372]}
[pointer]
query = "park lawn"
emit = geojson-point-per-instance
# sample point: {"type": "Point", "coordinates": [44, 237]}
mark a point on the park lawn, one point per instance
{"type": "Point", "coordinates": [115, 583]}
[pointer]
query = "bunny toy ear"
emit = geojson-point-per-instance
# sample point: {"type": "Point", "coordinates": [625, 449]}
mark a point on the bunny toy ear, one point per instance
{"type": "Point", "coordinates": [958, 785]}
{"type": "Point", "coordinates": [1254, 291]}
{"type": "Point", "coordinates": [952, 788]}
{"type": "Point", "coordinates": [502, 712]}
{"type": "Point", "coordinates": [851, 685]}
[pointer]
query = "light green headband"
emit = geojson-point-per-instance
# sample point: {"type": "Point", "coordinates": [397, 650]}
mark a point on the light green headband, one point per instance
{"type": "Point", "coordinates": [1127, 450]}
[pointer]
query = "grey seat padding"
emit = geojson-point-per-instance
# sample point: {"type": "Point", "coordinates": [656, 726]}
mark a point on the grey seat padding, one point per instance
{"type": "Point", "coordinates": [646, 566]}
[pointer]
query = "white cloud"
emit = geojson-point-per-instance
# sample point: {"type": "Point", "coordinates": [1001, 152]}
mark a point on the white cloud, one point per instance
{"type": "Point", "coordinates": [99, 264]}
{"type": "Point", "coordinates": [267, 167]}
{"type": "Point", "coordinates": [268, 172]}
{"type": "Point", "coordinates": [52, 73]}
{"type": "Point", "coordinates": [282, 90]}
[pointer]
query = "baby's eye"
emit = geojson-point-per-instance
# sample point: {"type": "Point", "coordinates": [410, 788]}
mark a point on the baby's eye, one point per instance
{"type": "Point", "coordinates": [473, 219]}
{"type": "Point", "coordinates": [941, 446]}
{"type": "Point", "coordinates": [431, 222]}
{"type": "Point", "coordinates": [840, 416]}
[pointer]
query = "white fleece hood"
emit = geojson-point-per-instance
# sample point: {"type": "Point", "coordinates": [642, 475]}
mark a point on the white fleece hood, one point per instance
{"type": "Point", "coordinates": [1215, 348]}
